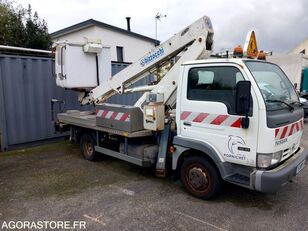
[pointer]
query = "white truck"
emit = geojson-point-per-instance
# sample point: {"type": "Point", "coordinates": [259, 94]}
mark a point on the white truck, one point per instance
{"type": "Point", "coordinates": [206, 120]}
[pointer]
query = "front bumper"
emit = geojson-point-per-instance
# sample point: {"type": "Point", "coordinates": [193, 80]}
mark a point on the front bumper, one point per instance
{"type": "Point", "coordinates": [272, 180]}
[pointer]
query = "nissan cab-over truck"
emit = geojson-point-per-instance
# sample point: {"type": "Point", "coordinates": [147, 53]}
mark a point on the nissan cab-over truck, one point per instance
{"type": "Point", "coordinates": [206, 120]}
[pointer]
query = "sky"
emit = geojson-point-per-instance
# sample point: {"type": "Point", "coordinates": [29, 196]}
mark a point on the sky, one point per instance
{"type": "Point", "coordinates": [279, 24]}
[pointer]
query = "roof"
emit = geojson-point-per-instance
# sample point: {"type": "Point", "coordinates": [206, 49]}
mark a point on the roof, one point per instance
{"type": "Point", "coordinates": [301, 47]}
{"type": "Point", "coordinates": [220, 60]}
{"type": "Point", "coordinates": [92, 22]}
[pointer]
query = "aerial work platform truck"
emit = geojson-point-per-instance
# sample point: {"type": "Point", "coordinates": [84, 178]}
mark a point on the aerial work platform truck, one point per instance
{"type": "Point", "coordinates": [204, 120]}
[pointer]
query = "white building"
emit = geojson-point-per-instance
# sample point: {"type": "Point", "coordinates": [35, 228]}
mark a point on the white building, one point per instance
{"type": "Point", "coordinates": [300, 48]}
{"type": "Point", "coordinates": [126, 46]}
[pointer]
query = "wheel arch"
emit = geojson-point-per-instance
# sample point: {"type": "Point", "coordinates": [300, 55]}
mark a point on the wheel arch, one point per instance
{"type": "Point", "coordinates": [187, 147]}
{"type": "Point", "coordinates": [80, 131]}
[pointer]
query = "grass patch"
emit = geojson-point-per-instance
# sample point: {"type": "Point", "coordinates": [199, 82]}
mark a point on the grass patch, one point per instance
{"type": "Point", "coordinates": [64, 145]}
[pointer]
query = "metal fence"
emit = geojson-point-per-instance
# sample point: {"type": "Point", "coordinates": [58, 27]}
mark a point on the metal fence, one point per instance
{"type": "Point", "coordinates": [27, 86]}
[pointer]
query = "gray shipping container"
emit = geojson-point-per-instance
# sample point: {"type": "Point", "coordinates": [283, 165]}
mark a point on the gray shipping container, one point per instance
{"type": "Point", "coordinates": [27, 86]}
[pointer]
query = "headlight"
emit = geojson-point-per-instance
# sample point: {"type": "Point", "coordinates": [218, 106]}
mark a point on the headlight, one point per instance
{"type": "Point", "coordinates": [302, 100]}
{"type": "Point", "coordinates": [268, 159]}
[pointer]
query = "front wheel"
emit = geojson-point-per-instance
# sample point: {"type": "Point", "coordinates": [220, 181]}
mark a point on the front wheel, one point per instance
{"type": "Point", "coordinates": [200, 177]}
{"type": "Point", "coordinates": [87, 143]}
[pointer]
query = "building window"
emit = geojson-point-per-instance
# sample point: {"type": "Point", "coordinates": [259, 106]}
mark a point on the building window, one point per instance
{"type": "Point", "coordinates": [120, 57]}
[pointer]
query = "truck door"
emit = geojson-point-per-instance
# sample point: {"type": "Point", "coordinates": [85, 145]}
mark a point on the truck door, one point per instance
{"type": "Point", "coordinates": [207, 112]}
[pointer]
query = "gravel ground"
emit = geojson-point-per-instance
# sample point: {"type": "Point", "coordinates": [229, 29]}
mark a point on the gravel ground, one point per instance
{"type": "Point", "coordinates": [53, 183]}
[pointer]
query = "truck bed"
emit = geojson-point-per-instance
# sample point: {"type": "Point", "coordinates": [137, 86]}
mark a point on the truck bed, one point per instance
{"type": "Point", "coordinates": [88, 120]}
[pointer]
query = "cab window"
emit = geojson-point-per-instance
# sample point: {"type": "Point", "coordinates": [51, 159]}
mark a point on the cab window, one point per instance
{"type": "Point", "coordinates": [214, 84]}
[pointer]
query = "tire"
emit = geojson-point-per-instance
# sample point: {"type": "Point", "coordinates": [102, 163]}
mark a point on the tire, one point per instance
{"type": "Point", "coordinates": [200, 178]}
{"type": "Point", "coordinates": [87, 143]}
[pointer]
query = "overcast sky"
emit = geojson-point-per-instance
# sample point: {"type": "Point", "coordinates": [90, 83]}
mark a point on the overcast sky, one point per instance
{"type": "Point", "coordinates": [279, 24]}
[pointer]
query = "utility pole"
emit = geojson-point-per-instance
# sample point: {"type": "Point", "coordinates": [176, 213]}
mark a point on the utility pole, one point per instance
{"type": "Point", "coordinates": [158, 17]}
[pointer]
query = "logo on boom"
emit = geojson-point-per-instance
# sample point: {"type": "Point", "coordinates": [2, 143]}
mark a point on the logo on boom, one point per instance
{"type": "Point", "coordinates": [152, 56]}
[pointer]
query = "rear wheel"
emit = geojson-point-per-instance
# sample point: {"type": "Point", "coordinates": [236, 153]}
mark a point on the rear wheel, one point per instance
{"type": "Point", "coordinates": [87, 144]}
{"type": "Point", "coordinates": [200, 177]}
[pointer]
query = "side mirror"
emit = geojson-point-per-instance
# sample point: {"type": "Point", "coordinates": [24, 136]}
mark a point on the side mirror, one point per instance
{"type": "Point", "coordinates": [242, 101]}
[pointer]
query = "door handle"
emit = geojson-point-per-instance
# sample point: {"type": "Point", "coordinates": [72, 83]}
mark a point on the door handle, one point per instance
{"type": "Point", "coordinates": [63, 76]}
{"type": "Point", "coordinates": [187, 123]}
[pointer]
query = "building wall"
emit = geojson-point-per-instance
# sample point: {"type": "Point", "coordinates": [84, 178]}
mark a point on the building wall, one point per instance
{"type": "Point", "coordinates": [291, 64]}
{"type": "Point", "coordinates": [300, 47]}
{"type": "Point", "coordinates": [133, 48]}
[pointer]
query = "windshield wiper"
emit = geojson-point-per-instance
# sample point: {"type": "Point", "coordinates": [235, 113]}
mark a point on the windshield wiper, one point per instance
{"type": "Point", "coordinates": [297, 103]}
{"type": "Point", "coordinates": [280, 101]}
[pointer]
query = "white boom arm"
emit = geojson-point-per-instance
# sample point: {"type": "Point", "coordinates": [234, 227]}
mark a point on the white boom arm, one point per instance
{"type": "Point", "coordinates": [193, 42]}
{"type": "Point", "coordinates": [168, 83]}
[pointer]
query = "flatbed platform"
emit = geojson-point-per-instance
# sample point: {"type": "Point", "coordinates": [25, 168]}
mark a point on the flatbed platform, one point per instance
{"type": "Point", "coordinates": [88, 120]}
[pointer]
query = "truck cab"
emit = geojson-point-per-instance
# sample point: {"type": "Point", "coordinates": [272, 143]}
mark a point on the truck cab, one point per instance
{"type": "Point", "coordinates": [258, 148]}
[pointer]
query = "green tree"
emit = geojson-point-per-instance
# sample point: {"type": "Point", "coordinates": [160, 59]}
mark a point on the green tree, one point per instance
{"type": "Point", "coordinates": [36, 31]}
{"type": "Point", "coordinates": [19, 27]}
{"type": "Point", "coordinates": [11, 25]}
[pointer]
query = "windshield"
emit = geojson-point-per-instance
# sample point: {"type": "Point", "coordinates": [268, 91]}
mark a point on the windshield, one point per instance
{"type": "Point", "coordinates": [275, 86]}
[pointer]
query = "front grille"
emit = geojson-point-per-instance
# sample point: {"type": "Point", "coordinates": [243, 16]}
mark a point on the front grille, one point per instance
{"type": "Point", "coordinates": [289, 151]}
{"type": "Point", "coordinates": [285, 153]}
